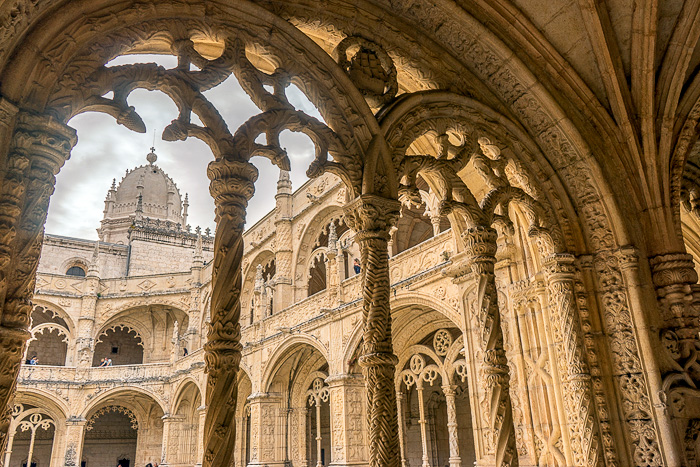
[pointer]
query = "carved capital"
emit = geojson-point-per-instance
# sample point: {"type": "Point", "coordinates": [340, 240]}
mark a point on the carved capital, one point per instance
{"type": "Point", "coordinates": [480, 248]}
{"type": "Point", "coordinates": [46, 141]}
{"type": "Point", "coordinates": [232, 185]}
{"type": "Point", "coordinates": [672, 270]}
{"type": "Point", "coordinates": [560, 267]}
{"type": "Point", "coordinates": [372, 216]}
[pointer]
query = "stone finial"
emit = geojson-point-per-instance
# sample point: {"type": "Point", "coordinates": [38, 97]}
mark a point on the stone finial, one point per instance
{"type": "Point", "coordinates": [198, 258]}
{"type": "Point", "coordinates": [284, 184]}
{"type": "Point", "coordinates": [332, 238]}
{"type": "Point", "coordinates": [185, 208]}
{"type": "Point", "coordinates": [139, 207]}
{"type": "Point", "coordinates": [151, 157]}
{"type": "Point", "coordinates": [93, 267]}
{"type": "Point", "coordinates": [258, 277]}
{"type": "Point", "coordinates": [114, 185]}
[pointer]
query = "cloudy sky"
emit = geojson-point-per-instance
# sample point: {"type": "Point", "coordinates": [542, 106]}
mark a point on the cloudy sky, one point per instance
{"type": "Point", "coordinates": [106, 150]}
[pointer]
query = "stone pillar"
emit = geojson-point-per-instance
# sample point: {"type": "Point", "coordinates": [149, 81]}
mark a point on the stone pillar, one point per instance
{"type": "Point", "coordinates": [231, 187]}
{"type": "Point", "coordinates": [170, 438]}
{"type": "Point", "coordinates": [284, 293]}
{"type": "Point", "coordinates": [371, 217]}
{"type": "Point", "coordinates": [10, 442]}
{"type": "Point", "coordinates": [347, 420]}
{"type": "Point", "coordinates": [75, 436]}
{"type": "Point", "coordinates": [263, 431]}
{"type": "Point", "coordinates": [400, 406]}
{"type": "Point", "coordinates": [573, 368]}
{"type": "Point", "coordinates": [85, 342]}
{"type": "Point", "coordinates": [480, 249]}
{"type": "Point", "coordinates": [202, 412]}
{"type": "Point", "coordinates": [422, 422]}
{"type": "Point", "coordinates": [40, 146]}
{"type": "Point", "coordinates": [450, 394]}
{"type": "Point", "coordinates": [332, 275]}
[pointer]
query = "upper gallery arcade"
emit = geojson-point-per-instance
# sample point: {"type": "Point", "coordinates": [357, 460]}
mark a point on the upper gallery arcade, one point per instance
{"type": "Point", "coordinates": [557, 142]}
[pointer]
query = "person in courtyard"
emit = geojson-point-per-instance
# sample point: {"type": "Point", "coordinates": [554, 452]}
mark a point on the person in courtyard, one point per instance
{"type": "Point", "coordinates": [356, 266]}
{"type": "Point", "coordinates": [34, 360]}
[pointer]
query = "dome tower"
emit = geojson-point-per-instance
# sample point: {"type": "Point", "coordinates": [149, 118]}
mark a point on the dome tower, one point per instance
{"type": "Point", "coordinates": [144, 192]}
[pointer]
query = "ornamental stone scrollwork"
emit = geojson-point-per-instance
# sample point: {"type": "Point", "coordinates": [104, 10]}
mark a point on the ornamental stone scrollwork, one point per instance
{"type": "Point", "coordinates": [114, 409]}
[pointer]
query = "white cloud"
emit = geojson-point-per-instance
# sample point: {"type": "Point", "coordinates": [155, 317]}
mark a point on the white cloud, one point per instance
{"type": "Point", "coordinates": [106, 150]}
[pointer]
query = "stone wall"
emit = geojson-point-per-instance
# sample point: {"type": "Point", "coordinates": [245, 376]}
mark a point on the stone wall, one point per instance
{"type": "Point", "coordinates": [158, 258]}
{"type": "Point", "coordinates": [60, 253]}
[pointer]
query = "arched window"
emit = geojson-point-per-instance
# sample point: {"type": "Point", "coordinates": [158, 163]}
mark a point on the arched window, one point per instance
{"type": "Point", "coordinates": [75, 271]}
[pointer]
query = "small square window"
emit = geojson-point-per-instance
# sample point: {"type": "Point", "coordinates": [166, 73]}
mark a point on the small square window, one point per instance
{"type": "Point", "coordinates": [115, 350]}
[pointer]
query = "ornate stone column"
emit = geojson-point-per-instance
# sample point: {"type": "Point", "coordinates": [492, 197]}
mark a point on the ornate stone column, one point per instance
{"type": "Point", "coordinates": [347, 420]}
{"type": "Point", "coordinates": [332, 275]}
{"type": "Point", "coordinates": [371, 217]}
{"type": "Point", "coordinates": [450, 393]}
{"type": "Point", "coordinates": [202, 412]}
{"type": "Point", "coordinates": [39, 148]}
{"type": "Point", "coordinates": [318, 394]}
{"type": "Point", "coordinates": [75, 436]}
{"type": "Point", "coordinates": [284, 243]}
{"type": "Point", "coordinates": [559, 272]}
{"type": "Point", "coordinates": [400, 406]}
{"type": "Point", "coordinates": [85, 344]}
{"type": "Point", "coordinates": [480, 249]}
{"type": "Point", "coordinates": [422, 422]}
{"type": "Point", "coordinates": [231, 187]}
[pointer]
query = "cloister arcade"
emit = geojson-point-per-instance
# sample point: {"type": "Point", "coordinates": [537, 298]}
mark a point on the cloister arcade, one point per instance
{"type": "Point", "coordinates": [520, 177]}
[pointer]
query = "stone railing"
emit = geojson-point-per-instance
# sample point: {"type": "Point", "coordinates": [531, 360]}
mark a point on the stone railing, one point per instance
{"type": "Point", "coordinates": [132, 373]}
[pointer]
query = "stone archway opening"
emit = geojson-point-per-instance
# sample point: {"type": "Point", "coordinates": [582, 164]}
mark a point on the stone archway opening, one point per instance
{"type": "Point", "coordinates": [31, 439]}
{"type": "Point", "coordinates": [120, 345]}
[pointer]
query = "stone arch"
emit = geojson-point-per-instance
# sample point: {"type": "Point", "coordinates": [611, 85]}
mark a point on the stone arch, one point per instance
{"type": "Point", "coordinates": [283, 349]}
{"type": "Point", "coordinates": [56, 407]}
{"type": "Point", "coordinates": [307, 239]}
{"type": "Point", "coordinates": [56, 311]}
{"type": "Point", "coordinates": [181, 387]}
{"type": "Point", "coordinates": [51, 344]}
{"type": "Point", "coordinates": [109, 395]}
{"type": "Point", "coordinates": [316, 271]}
{"type": "Point", "coordinates": [249, 272]}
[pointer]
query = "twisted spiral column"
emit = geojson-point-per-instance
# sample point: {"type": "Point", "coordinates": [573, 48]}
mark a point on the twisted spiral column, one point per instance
{"type": "Point", "coordinates": [39, 148]}
{"type": "Point", "coordinates": [371, 217]}
{"type": "Point", "coordinates": [480, 251]}
{"type": "Point", "coordinates": [232, 185]}
{"type": "Point", "coordinates": [576, 376]}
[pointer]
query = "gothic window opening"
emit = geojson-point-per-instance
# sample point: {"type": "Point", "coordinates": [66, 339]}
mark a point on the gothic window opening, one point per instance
{"type": "Point", "coordinates": [317, 274]}
{"type": "Point", "coordinates": [319, 423]}
{"type": "Point", "coordinates": [49, 344]}
{"type": "Point", "coordinates": [31, 437]}
{"type": "Point", "coordinates": [111, 435]}
{"type": "Point", "coordinates": [121, 344]}
{"type": "Point", "coordinates": [435, 425]}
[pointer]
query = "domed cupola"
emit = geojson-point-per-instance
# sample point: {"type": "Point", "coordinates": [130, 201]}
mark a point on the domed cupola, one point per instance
{"type": "Point", "coordinates": [144, 192]}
